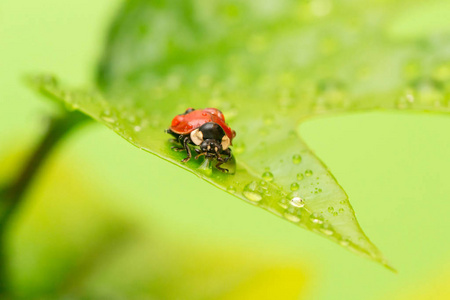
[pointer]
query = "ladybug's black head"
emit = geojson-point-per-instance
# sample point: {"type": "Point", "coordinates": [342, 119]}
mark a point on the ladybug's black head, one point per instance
{"type": "Point", "coordinates": [211, 146]}
{"type": "Point", "coordinates": [211, 138]}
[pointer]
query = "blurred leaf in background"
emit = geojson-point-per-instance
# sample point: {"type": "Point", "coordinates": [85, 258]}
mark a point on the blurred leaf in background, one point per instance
{"type": "Point", "coordinates": [135, 207]}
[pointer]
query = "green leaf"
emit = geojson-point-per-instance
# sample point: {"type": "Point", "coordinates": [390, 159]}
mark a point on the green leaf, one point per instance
{"type": "Point", "coordinates": [267, 67]}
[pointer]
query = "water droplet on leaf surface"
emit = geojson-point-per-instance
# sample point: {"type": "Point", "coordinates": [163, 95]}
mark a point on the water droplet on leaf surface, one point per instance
{"type": "Point", "coordinates": [267, 176]}
{"type": "Point", "coordinates": [316, 218]}
{"type": "Point", "coordinates": [326, 229]}
{"type": "Point", "coordinates": [252, 192]}
{"type": "Point", "coordinates": [296, 200]}
{"type": "Point", "coordinates": [293, 214]}
{"type": "Point", "coordinates": [296, 159]}
{"type": "Point", "coordinates": [231, 189]}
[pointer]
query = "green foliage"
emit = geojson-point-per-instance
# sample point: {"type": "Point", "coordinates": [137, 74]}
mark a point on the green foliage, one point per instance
{"type": "Point", "coordinates": [267, 67]}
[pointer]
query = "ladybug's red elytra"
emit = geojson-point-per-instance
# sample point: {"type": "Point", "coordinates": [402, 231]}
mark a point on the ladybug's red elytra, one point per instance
{"type": "Point", "coordinates": [207, 129]}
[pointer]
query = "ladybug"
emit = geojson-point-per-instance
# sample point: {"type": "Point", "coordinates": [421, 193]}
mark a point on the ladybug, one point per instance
{"type": "Point", "coordinates": [205, 128]}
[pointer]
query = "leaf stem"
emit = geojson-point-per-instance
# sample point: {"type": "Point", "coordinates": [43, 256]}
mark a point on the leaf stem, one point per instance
{"type": "Point", "coordinates": [14, 194]}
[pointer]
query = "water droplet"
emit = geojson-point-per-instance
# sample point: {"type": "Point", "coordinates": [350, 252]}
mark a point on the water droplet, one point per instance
{"type": "Point", "coordinates": [137, 128]}
{"type": "Point", "coordinates": [331, 94]}
{"type": "Point", "coordinates": [252, 192]}
{"type": "Point", "coordinates": [231, 189]}
{"type": "Point", "coordinates": [326, 229]}
{"type": "Point", "coordinates": [341, 210]}
{"type": "Point", "coordinates": [344, 242]}
{"type": "Point", "coordinates": [296, 200]}
{"type": "Point", "coordinates": [283, 203]}
{"type": "Point", "coordinates": [331, 209]}
{"type": "Point", "coordinates": [296, 159]}
{"type": "Point", "coordinates": [308, 173]}
{"type": "Point", "coordinates": [342, 202]}
{"type": "Point", "coordinates": [300, 176]}
{"type": "Point", "coordinates": [108, 116]}
{"type": "Point", "coordinates": [267, 176]}
{"type": "Point", "coordinates": [294, 186]}
{"type": "Point", "coordinates": [263, 184]}
{"type": "Point", "coordinates": [316, 218]}
{"type": "Point", "coordinates": [293, 214]}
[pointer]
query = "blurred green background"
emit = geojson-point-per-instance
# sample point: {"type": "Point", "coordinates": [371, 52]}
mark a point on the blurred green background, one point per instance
{"type": "Point", "coordinates": [106, 220]}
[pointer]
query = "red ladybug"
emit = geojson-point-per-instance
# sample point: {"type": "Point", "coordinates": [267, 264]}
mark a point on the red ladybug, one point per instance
{"type": "Point", "coordinates": [205, 128]}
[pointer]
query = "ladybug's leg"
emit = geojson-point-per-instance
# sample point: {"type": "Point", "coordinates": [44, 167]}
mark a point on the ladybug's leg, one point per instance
{"type": "Point", "coordinates": [223, 160]}
{"type": "Point", "coordinates": [188, 150]}
{"type": "Point", "coordinates": [183, 140]}
{"type": "Point", "coordinates": [199, 153]}
{"type": "Point", "coordinates": [221, 169]}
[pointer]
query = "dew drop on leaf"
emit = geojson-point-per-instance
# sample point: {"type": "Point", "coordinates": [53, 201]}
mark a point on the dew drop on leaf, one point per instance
{"type": "Point", "coordinates": [296, 200]}
{"type": "Point", "coordinates": [231, 189]}
{"type": "Point", "coordinates": [326, 229]}
{"type": "Point", "coordinates": [267, 176]}
{"type": "Point", "coordinates": [296, 159]}
{"type": "Point", "coordinates": [316, 218]}
{"type": "Point", "coordinates": [294, 186]}
{"type": "Point", "coordinates": [308, 173]}
{"type": "Point", "coordinates": [344, 242]}
{"type": "Point", "coordinates": [300, 176]}
{"type": "Point", "coordinates": [251, 192]}
{"type": "Point", "coordinates": [283, 203]}
{"type": "Point", "coordinates": [293, 214]}
{"type": "Point", "coordinates": [108, 117]}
